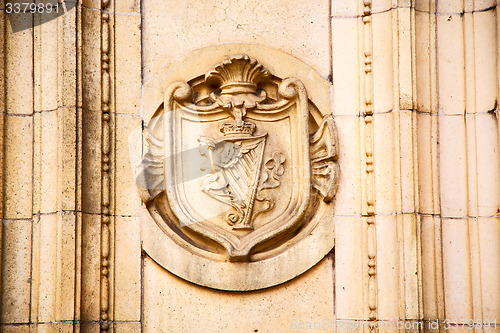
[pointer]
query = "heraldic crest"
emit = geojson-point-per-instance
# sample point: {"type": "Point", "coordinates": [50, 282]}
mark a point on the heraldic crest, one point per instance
{"type": "Point", "coordinates": [237, 166]}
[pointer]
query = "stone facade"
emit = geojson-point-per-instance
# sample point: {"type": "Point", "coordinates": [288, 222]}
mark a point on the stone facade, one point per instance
{"type": "Point", "coordinates": [411, 87]}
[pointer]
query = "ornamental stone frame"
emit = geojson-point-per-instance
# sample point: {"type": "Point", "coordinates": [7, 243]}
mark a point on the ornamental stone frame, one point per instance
{"type": "Point", "coordinates": [241, 170]}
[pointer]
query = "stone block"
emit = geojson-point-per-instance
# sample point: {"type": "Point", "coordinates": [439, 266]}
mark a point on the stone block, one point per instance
{"type": "Point", "coordinates": [16, 271]}
{"type": "Point", "coordinates": [18, 170]}
{"type": "Point", "coordinates": [127, 271]}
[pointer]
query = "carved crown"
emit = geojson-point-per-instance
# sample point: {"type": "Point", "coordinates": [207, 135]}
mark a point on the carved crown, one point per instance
{"type": "Point", "coordinates": [237, 74]}
{"type": "Point", "coordinates": [247, 128]}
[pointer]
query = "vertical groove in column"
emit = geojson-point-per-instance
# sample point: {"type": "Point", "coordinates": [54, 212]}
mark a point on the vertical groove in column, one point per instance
{"type": "Point", "coordinates": [415, 176]}
{"type": "Point", "coordinates": [488, 161]}
{"type": "Point", "coordinates": [106, 173]}
{"type": "Point", "coordinates": [474, 272]}
{"type": "Point", "coordinates": [368, 116]}
{"type": "Point", "coordinates": [91, 164]}
{"type": "Point", "coordinates": [406, 166]}
{"type": "Point", "coordinates": [399, 66]}
{"type": "Point", "coordinates": [497, 109]}
{"type": "Point", "coordinates": [426, 81]}
{"type": "Point", "coordinates": [67, 165]}
{"type": "Point", "coordinates": [497, 102]}
{"type": "Point", "coordinates": [474, 268]}
{"type": "Point", "coordinates": [77, 58]}
{"type": "Point", "coordinates": [37, 285]}
{"type": "Point", "coordinates": [2, 132]}
{"type": "Point", "coordinates": [46, 187]}
{"type": "Point", "coordinates": [437, 259]}
{"type": "Point", "coordinates": [439, 298]}
{"type": "Point", "coordinates": [17, 170]}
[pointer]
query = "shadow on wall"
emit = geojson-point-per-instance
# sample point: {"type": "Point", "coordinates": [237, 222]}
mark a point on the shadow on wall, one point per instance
{"type": "Point", "coordinates": [26, 14]}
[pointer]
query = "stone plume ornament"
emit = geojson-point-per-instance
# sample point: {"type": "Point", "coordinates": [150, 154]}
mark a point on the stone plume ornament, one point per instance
{"type": "Point", "coordinates": [239, 177]}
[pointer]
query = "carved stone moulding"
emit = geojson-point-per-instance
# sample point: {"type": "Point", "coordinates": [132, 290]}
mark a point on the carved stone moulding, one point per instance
{"type": "Point", "coordinates": [241, 167]}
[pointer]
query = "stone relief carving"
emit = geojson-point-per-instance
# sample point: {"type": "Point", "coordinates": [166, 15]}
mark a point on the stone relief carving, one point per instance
{"type": "Point", "coordinates": [237, 167]}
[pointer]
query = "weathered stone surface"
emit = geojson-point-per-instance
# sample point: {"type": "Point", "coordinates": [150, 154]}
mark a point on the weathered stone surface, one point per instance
{"type": "Point", "coordinates": [179, 305]}
{"type": "Point", "coordinates": [412, 87]}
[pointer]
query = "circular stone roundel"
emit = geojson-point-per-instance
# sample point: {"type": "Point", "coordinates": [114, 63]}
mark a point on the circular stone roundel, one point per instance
{"type": "Point", "coordinates": [240, 172]}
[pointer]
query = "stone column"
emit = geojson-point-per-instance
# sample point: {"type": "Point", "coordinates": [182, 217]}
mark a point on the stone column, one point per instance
{"type": "Point", "coordinates": [457, 92]}
{"type": "Point", "coordinates": [373, 94]}
{"type": "Point", "coordinates": [54, 253]}
{"type": "Point", "coordinates": [18, 136]}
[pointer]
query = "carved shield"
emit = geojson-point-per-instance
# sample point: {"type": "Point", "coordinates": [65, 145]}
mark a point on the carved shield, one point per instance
{"type": "Point", "coordinates": [243, 164]}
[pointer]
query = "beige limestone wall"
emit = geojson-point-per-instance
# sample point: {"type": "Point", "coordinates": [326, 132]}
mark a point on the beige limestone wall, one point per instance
{"type": "Point", "coordinates": [171, 30]}
{"type": "Point", "coordinates": [414, 93]}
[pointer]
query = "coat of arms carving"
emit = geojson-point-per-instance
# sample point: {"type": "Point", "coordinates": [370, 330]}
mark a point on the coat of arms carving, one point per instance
{"type": "Point", "coordinates": [238, 169]}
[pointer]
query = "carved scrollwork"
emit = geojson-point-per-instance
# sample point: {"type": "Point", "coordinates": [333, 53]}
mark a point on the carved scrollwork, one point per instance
{"type": "Point", "coordinates": [325, 170]}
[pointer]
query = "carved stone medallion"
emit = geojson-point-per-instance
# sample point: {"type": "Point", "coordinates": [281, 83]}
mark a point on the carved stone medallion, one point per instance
{"type": "Point", "coordinates": [239, 176]}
